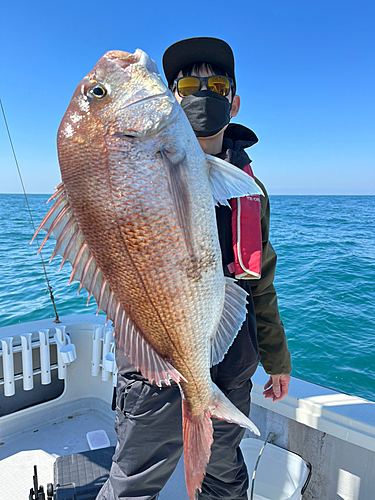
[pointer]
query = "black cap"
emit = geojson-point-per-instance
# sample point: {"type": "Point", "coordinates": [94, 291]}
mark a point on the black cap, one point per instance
{"type": "Point", "coordinates": [196, 50]}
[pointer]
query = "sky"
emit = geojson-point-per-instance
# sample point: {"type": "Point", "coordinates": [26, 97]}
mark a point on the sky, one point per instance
{"type": "Point", "coordinates": [305, 73]}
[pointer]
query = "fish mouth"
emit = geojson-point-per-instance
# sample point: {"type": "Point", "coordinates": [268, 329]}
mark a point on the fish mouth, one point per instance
{"type": "Point", "coordinates": [144, 99]}
{"type": "Point", "coordinates": [164, 120]}
{"type": "Point", "coordinates": [159, 115]}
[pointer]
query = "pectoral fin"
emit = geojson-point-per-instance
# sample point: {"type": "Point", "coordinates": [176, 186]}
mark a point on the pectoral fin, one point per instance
{"type": "Point", "coordinates": [176, 169]}
{"type": "Point", "coordinates": [228, 181]}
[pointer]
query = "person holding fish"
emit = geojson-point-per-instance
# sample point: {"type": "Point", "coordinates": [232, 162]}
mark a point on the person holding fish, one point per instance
{"type": "Point", "coordinates": [142, 214]}
{"type": "Point", "coordinates": [200, 73]}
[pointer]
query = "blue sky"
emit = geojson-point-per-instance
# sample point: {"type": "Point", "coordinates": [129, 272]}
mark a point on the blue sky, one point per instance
{"type": "Point", "coordinates": [305, 72]}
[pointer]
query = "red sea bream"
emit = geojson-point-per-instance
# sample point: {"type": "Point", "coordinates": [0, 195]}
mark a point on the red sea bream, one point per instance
{"type": "Point", "coordinates": [134, 215]}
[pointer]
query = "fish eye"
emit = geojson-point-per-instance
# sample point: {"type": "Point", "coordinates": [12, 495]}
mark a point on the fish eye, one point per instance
{"type": "Point", "coordinates": [98, 91]}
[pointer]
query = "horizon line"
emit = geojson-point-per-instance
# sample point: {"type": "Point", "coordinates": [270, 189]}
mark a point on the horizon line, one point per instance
{"type": "Point", "coordinates": [269, 194]}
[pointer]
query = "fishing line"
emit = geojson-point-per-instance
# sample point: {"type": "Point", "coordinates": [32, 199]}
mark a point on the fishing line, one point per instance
{"type": "Point", "coordinates": [49, 288]}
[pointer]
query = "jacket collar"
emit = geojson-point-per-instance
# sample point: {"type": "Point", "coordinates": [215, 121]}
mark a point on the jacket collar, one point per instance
{"type": "Point", "coordinates": [236, 139]}
{"type": "Point", "coordinates": [239, 137]}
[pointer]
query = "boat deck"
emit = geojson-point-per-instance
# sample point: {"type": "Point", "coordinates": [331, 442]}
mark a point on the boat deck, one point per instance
{"type": "Point", "coordinates": [62, 435]}
{"type": "Point", "coordinates": [332, 431]}
{"type": "Point", "coordinates": [40, 445]}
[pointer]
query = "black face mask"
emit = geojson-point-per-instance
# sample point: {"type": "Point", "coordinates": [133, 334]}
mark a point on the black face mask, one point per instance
{"type": "Point", "coordinates": [207, 112]}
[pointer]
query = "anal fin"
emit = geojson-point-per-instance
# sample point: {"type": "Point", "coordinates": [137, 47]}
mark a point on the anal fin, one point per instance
{"type": "Point", "coordinates": [232, 317]}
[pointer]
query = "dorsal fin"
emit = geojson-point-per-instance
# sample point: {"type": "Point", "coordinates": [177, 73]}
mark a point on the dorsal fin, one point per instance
{"type": "Point", "coordinates": [232, 317]}
{"type": "Point", "coordinates": [71, 245]}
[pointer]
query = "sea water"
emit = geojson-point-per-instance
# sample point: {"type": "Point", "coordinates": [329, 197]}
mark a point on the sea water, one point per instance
{"type": "Point", "coordinates": [325, 281]}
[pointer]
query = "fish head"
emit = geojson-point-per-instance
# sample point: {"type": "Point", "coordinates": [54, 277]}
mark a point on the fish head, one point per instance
{"type": "Point", "coordinates": [123, 95]}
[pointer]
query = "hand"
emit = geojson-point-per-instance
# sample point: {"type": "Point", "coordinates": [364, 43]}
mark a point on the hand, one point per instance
{"type": "Point", "coordinates": [277, 387]}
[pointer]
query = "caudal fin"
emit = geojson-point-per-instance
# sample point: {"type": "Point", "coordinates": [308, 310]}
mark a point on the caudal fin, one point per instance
{"type": "Point", "coordinates": [198, 436]}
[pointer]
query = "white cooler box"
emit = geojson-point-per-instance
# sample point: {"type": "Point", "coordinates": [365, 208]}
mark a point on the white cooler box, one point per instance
{"type": "Point", "coordinates": [281, 474]}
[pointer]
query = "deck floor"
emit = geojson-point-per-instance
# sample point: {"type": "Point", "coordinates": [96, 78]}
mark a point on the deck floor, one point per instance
{"type": "Point", "coordinates": [42, 445]}
{"type": "Point", "coordinates": [61, 432]}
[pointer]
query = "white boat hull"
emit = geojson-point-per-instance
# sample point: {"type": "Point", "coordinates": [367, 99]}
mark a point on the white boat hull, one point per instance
{"type": "Point", "coordinates": [331, 430]}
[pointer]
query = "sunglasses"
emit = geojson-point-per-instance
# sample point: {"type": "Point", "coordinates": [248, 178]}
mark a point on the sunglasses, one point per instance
{"type": "Point", "coordinates": [188, 85]}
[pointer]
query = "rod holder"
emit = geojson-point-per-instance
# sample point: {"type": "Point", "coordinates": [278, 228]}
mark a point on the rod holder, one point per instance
{"type": "Point", "coordinates": [107, 339]}
{"type": "Point", "coordinates": [60, 341]}
{"type": "Point", "coordinates": [27, 362]}
{"type": "Point", "coordinates": [66, 349]}
{"type": "Point", "coordinates": [109, 362]}
{"type": "Point", "coordinates": [8, 367]}
{"type": "Point", "coordinates": [96, 350]}
{"type": "Point", "coordinates": [45, 364]}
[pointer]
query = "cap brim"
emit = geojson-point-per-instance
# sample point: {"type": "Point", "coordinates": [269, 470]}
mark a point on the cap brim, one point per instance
{"type": "Point", "coordinates": [196, 50]}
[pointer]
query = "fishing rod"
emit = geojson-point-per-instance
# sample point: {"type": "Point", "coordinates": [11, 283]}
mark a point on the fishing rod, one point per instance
{"type": "Point", "coordinates": [49, 288]}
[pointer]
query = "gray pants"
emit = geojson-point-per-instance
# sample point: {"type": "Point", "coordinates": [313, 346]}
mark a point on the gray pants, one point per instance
{"type": "Point", "coordinates": [149, 430]}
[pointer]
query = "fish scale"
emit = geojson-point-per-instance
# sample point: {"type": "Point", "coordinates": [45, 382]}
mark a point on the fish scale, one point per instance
{"type": "Point", "coordinates": [135, 217]}
{"type": "Point", "coordinates": [166, 274]}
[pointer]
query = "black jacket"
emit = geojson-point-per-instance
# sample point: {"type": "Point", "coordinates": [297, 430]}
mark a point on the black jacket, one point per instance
{"type": "Point", "coordinates": [264, 327]}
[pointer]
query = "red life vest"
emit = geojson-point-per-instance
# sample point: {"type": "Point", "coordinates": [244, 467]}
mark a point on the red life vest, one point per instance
{"type": "Point", "coordinates": [246, 235]}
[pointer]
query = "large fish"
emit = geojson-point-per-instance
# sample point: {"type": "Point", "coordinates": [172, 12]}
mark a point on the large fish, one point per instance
{"type": "Point", "coordinates": [135, 217]}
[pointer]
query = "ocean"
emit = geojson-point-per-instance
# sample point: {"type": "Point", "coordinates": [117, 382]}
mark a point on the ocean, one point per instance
{"type": "Point", "coordinates": [325, 280]}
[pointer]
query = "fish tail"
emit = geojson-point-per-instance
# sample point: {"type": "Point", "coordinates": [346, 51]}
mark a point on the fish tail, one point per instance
{"type": "Point", "coordinates": [198, 436]}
